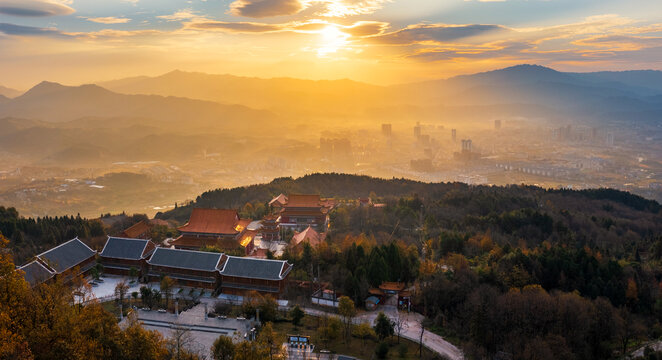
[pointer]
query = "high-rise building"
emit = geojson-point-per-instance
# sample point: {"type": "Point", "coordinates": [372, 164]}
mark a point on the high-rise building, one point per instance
{"type": "Point", "coordinates": [610, 139]}
{"type": "Point", "coordinates": [466, 145]}
{"type": "Point", "coordinates": [497, 124]}
{"type": "Point", "coordinates": [454, 135]}
{"type": "Point", "coordinates": [387, 129]}
{"type": "Point", "coordinates": [417, 130]}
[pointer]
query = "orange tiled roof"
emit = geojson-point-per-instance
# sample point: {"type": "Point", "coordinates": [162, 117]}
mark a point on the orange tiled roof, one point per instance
{"type": "Point", "coordinates": [295, 200]}
{"type": "Point", "coordinates": [212, 221]}
{"type": "Point", "coordinates": [136, 230]}
{"type": "Point", "coordinates": [310, 235]}
{"type": "Point", "coordinates": [279, 200]}
{"type": "Point", "coordinates": [392, 286]}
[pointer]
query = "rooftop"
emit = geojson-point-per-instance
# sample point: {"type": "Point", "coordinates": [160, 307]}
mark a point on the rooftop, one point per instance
{"type": "Point", "coordinates": [137, 229]}
{"type": "Point", "coordinates": [296, 200]}
{"type": "Point", "coordinates": [279, 200]}
{"type": "Point", "coordinates": [255, 268]}
{"type": "Point", "coordinates": [36, 273]}
{"type": "Point", "coordinates": [212, 221]}
{"type": "Point", "coordinates": [185, 259]}
{"type": "Point", "coordinates": [310, 235]}
{"type": "Point", "coordinates": [126, 248]}
{"type": "Point", "coordinates": [66, 255]}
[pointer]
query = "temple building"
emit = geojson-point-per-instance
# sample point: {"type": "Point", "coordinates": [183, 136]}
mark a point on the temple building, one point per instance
{"type": "Point", "coordinates": [220, 228]}
{"type": "Point", "coordinates": [240, 275]}
{"type": "Point", "coordinates": [278, 202]}
{"type": "Point", "coordinates": [269, 229]}
{"type": "Point", "coordinates": [196, 269]}
{"type": "Point", "coordinates": [36, 273]}
{"type": "Point", "coordinates": [302, 211]}
{"type": "Point", "coordinates": [119, 255]}
{"type": "Point", "coordinates": [140, 230]}
{"type": "Point", "coordinates": [310, 236]}
{"type": "Point", "coordinates": [64, 261]}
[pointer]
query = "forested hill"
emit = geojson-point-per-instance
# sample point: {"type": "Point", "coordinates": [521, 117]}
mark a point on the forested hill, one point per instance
{"type": "Point", "coordinates": [345, 186]}
{"type": "Point", "coordinates": [517, 215]}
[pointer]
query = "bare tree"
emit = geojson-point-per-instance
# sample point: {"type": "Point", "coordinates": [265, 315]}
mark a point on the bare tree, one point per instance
{"type": "Point", "coordinates": [420, 338]}
{"type": "Point", "coordinates": [182, 344]}
{"type": "Point", "coordinates": [121, 289]}
{"type": "Point", "coordinates": [400, 323]}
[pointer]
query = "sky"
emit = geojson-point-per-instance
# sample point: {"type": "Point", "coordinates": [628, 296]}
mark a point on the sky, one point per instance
{"type": "Point", "coordinates": [375, 41]}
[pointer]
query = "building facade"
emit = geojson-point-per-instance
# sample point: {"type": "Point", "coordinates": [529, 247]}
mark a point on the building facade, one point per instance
{"type": "Point", "coordinates": [120, 255]}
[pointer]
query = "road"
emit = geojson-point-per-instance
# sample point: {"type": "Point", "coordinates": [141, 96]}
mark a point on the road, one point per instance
{"type": "Point", "coordinates": [411, 329]}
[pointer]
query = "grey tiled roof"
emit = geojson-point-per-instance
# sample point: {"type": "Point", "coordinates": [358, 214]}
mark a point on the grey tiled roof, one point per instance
{"type": "Point", "coordinates": [124, 248]}
{"type": "Point", "coordinates": [66, 255]}
{"type": "Point", "coordinates": [255, 268]}
{"type": "Point", "coordinates": [35, 273]}
{"type": "Point", "coordinates": [185, 259]}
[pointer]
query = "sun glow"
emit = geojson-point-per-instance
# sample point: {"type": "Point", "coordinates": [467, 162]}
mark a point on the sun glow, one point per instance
{"type": "Point", "coordinates": [332, 40]}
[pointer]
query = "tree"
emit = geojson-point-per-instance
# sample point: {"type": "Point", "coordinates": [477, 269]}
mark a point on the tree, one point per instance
{"type": "Point", "coordinates": [181, 344]}
{"type": "Point", "coordinates": [347, 310]}
{"type": "Point", "coordinates": [139, 344]}
{"type": "Point", "coordinates": [133, 272]}
{"type": "Point", "coordinates": [400, 323]}
{"type": "Point", "coordinates": [12, 305]}
{"type": "Point", "coordinates": [297, 315]}
{"type": "Point", "coordinates": [268, 339]}
{"type": "Point", "coordinates": [120, 291]}
{"type": "Point", "coordinates": [223, 348]}
{"type": "Point", "coordinates": [167, 284]}
{"type": "Point", "coordinates": [364, 331]}
{"type": "Point", "coordinates": [250, 350]}
{"type": "Point", "coordinates": [383, 326]}
{"type": "Point", "coordinates": [330, 329]}
{"type": "Point", "coordinates": [146, 296]}
{"type": "Point", "coordinates": [381, 350]}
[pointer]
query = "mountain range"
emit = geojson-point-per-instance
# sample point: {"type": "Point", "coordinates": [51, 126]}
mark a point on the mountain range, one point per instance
{"type": "Point", "coordinates": [180, 113]}
{"type": "Point", "coordinates": [6, 92]}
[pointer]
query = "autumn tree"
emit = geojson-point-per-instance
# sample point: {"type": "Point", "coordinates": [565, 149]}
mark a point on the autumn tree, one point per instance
{"type": "Point", "coordinates": [347, 311]}
{"type": "Point", "coordinates": [121, 289]}
{"type": "Point", "coordinates": [364, 331]}
{"type": "Point", "coordinates": [268, 339]}
{"type": "Point", "coordinates": [223, 348]}
{"type": "Point", "coordinates": [167, 285]}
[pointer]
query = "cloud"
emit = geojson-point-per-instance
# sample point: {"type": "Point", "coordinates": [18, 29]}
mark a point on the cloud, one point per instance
{"type": "Point", "coordinates": [358, 29]}
{"type": "Point", "coordinates": [365, 28]}
{"type": "Point", "coordinates": [265, 8]}
{"type": "Point", "coordinates": [233, 27]}
{"type": "Point", "coordinates": [327, 8]}
{"type": "Point", "coordinates": [109, 20]}
{"type": "Point", "coordinates": [439, 33]}
{"type": "Point", "coordinates": [179, 15]}
{"type": "Point", "coordinates": [344, 8]}
{"type": "Point", "coordinates": [34, 8]}
{"type": "Point", "coordinates": [20, 30]}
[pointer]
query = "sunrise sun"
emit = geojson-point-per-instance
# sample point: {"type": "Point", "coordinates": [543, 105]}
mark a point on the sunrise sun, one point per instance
{"type": "Point", "coordinates": [331, 40]}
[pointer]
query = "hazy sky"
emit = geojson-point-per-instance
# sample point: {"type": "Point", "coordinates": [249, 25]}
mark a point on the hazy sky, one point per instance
{"type": "Point", "coordinates": [378, 41]}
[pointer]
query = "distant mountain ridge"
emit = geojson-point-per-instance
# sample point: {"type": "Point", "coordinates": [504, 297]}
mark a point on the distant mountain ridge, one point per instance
{"type": "Point", "coordinates": [8, 92]}
{"type": "Point", "coordinates": [595, 95]}
{"type": "Point", "coordinates": [54, 102]}
{"type": "Point", "coordinates": [275, 93]}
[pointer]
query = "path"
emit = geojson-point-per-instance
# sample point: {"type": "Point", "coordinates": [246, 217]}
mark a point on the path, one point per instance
{"type": "Point", "coordinates": [411, 329]}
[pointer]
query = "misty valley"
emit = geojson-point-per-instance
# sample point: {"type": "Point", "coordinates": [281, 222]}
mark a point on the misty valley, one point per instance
{"type": "Point", "coordinates": [143, 144]}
